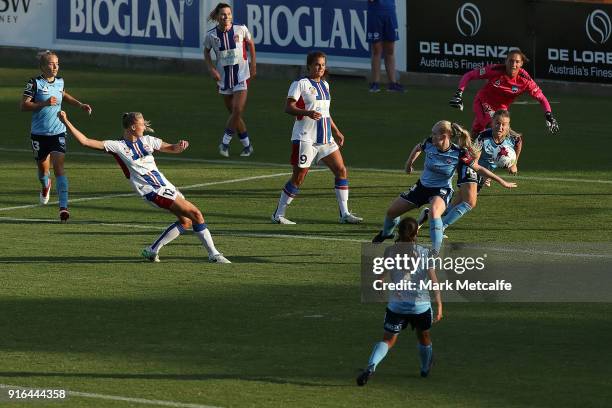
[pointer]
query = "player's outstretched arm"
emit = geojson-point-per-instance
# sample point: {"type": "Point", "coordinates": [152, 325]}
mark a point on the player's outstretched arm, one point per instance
{"type": "Point", "coordinates": [80, 137]}
{"type": "Point", "coordinates": [178, 147]}
{"type": "Point", "coordinates": [414, 154]}
{"type": "Point", "coordinates": [73, 101]}
{"type": "Point", "coordinates": [486, 173]}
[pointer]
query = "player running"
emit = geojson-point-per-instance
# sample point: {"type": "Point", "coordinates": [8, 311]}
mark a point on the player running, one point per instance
{"type": "Point", "coordinates": [504, 83]}
{"type": "Point", "coordinates": [490, 141]}
{"type": "Point", "coordinates": [134, 153]}
{"type": "Point", "coordinates": [230, 42]}
{"type": "Point", "coordinates": [408, 306]}
{"type": "Point", "coordinates": [309, 100]}
{"type": "Point", "coordinates": [442, 158]}
{"type": "Point", "coordinates": [43, 96]}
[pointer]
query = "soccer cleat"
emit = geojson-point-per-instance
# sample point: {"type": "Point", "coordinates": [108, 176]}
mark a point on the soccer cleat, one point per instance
{"type": "Point", "coordinates": [218, 258]}
{"type": "Point", "coordinates": [247, 151]}
{"type": "Point", "coordinates": [224, 150]}
{"type": "Point", "coordinates": [350, 219]}
{"type": "Point", "coordinates": [365, 375]}
{"type": "Point", "coordinates": [150, 255]}
{"type": "Point", "coordinates": [281, 220]}
{"type": "Point", "coordinates": [381, 238]}
{"type": "Point", "coordinates": [64, 214]}
{"type": "Point", "coordinates": [374, 87]}
{"type": "Point", "coordinates": [424, 374]}
{"type": "Point", "coordinates": [45, 193]}
{"type": "Point", "coordinates": [396, 87]}
{"type": "Point", "coordinates": [423, 216]}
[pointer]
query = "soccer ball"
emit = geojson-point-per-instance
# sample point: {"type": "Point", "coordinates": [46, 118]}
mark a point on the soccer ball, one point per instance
{"type": "Point", "coordinates": [504, 157]}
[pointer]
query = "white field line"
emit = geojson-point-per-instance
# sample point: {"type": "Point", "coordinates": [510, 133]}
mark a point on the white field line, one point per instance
{"type": "Point", "coordinates": [212, 183]}
{"type": "Point", "coordinates": [267, 164]}
{"type": "Point", "coordinates": [309, 237]}
{"type": "Point", "coordinates": [113, 398]}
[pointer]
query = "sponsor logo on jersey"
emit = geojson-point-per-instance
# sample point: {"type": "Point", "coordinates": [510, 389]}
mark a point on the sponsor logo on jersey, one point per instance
{"type": "Point", "coordinates": [312, 90]}
{"type": "Point", "coordinates": [482, 71]}
{"type": "Point", "coordinates": [236, 38]}
{"type": "Point", "coordinates": [497, 83]}
{"type": "Point", "coordinates": [514, 89]}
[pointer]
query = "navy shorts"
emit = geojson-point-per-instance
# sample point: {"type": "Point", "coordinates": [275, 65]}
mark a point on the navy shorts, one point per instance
{"type": "Point", "coordinates": [43, 145]}
{"type": "Point", "coordinates": [468, 175]}
{"type": "Point", "coordinates": [420, 195]}
{"type": "Point", "coordinates": [396, 322]}
{"type": "Point", "coordinates": [382, 27]}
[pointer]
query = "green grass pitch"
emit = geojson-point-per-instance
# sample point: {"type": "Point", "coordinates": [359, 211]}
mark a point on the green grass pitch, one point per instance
{"type": "Point", "coordinates": [283, 325]}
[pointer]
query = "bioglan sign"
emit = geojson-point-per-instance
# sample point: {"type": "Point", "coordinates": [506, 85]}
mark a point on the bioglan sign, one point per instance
{"type": "Point", "coordinates": [285, 31]}
{"type": "Point", "coordinates": [154, 22]}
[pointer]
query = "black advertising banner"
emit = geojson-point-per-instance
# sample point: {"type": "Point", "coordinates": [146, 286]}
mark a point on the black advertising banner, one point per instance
{"type": "Point", "coordinates": [452, 37]}
{"type": "Point", "coordinates": [574, 41]}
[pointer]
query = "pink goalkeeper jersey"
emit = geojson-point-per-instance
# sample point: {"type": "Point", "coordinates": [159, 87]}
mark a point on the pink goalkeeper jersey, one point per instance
{"type": "Point", "coordinates": [501, 90]}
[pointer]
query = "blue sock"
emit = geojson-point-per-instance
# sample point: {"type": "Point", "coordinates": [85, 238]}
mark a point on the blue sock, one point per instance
{"type": "Point", "coordinates": [425, 355]}
{"type": "Point", "coordinates": [62, 190]}
{"type": "Point", "coordinates": [44, 179]}
{"type": "Point", "coordinates": [379, 352]}
{"type": "Point", "coordinates": [435, 233]}
{"type": "Point", "coordinates": [455, 213]}
{"type": "Point", "coordinates": [389, 225]}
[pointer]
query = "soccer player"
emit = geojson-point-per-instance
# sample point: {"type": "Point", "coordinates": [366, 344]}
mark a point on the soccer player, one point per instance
{"type": "Point", "coordinates": [442, 158]}
{"type": "Point", "coordinates": [382, 35]}
{"type": "Point", "coordinates": [408, 306]}
{"type": "Point", "coordinates": [230, 42]}
{"type": "Point", "coordinates": [308, 100]}
{"type": "Point", "coordinates": [134, 153]}
{"type": "Point", "coordinates": [504, 83]}
{"type": "Point", "coordinates": [490, 141]}
{"type": "Point", "coordinates": [43, 96]}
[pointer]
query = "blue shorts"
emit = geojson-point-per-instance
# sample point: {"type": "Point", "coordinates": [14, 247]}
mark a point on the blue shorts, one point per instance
{"type": "Point", "coordinates": [43, 145]}
{"type": "Point", "coordinates": [395, 322]}
{"type": "Point", "coordinates": [420, 195]}
{"type": "Point", "coordinates": [382, 27]}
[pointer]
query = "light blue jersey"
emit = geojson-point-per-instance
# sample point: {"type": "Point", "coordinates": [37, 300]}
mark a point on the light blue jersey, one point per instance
{"type": "Point", "coordinates": [45, 121]}
{"type": "Point", "coordinates": [440, 165]}
{"type": "Point", "coordinates": [410, 301]}
{"type": "Point", "coordinates": [489, 147]}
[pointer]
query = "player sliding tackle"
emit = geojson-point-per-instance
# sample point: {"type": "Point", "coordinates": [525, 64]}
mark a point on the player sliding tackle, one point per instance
{"type": "Point", "coordinates": [134, 153]}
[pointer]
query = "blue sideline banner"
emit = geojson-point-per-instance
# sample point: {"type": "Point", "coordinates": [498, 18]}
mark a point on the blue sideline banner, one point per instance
{"type": "Point", "coordinates": [284, 31]}
{"type": "Point", "coordinates": [169, 28]}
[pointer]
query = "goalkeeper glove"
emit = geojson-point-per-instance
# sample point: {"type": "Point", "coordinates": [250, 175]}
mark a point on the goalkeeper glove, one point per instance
{"type": "Point", "coordinates": [457, 100]}
{"type": "Point", "coordinates": [551, 123]}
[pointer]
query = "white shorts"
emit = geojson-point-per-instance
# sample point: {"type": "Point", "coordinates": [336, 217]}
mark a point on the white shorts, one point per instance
{"type": "Point", "coordinates": [240, 86]}
{"type": "Point", "coordinates": [304, 153]}
{"type": "Point", "coordinates": [160, 197]}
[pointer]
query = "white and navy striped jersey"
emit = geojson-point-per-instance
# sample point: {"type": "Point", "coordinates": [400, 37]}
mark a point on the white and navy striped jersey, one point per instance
{"type": "Point", "coordinates": [311, 95]}
{"type": "Point", "coordinates": [231, 54]}
{"type": "Point", "coordinates": [45, 121]}
{"type": "Point", "coordinates": [137, 162]}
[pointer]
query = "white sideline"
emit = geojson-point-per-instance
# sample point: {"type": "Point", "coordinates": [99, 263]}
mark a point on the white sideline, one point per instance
{"type": "Point", "coordinates": [212, 183]}
{"type": "Point", "coordinates": [267, 164]}
{"type": "Point", "coordinates": [308, 237]}
{"type": "Point", "coordinates": [113, 398]}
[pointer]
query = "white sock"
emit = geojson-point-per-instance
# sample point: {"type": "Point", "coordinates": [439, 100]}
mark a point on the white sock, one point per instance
{"type": "Point", "coordinates": [244, 139]}
{"type": "Point", "coordinates": [169, 235]}
{"type": "Point", "coordinates": [204, 235]}
{"type": "Point", "coordinates": [286, 197]}
{"type": "Point", "coordinates": [342, 194]}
